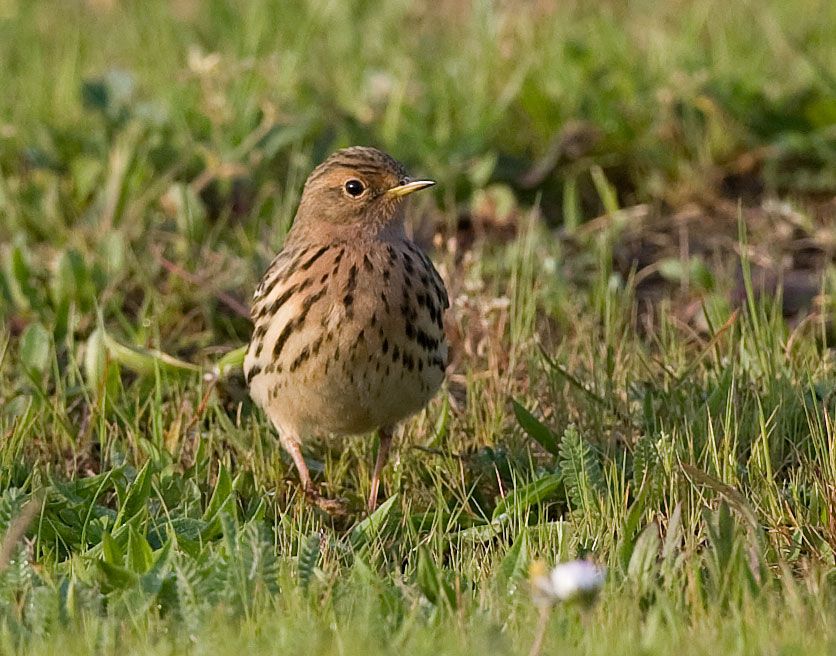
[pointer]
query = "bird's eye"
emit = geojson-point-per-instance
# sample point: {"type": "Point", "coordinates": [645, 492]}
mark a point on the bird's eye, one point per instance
{"type": "Point", "coordinates": [354, 188]}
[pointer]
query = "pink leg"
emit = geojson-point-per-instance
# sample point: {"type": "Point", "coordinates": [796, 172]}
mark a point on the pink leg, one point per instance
{"type": "Point", "coordinates": [295, 451]}
{"type": "Point", "coordinates": [331, 506]}
{"type": "Point", "coordinates": [385, 435]}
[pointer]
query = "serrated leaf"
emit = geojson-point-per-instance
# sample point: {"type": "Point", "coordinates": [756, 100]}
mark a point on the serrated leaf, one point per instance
{"type": "Point", "coordinates": [309, 552]}
{"type": "Point", "coordinates": [645, 458]}
{"type": "Point", "coordinates": [581, 472]}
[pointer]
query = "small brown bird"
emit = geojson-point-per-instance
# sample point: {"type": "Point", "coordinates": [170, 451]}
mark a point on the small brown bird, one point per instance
{"type": "Point", "coordinates": [348, 334]}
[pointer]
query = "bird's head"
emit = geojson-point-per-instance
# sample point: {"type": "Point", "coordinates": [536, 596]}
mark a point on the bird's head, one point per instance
{"type": "Point", "coordinates": [356, 189]}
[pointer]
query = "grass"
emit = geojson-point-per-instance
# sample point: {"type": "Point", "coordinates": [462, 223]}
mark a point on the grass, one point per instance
{"type": "Point", "coordinates": [617, 185]}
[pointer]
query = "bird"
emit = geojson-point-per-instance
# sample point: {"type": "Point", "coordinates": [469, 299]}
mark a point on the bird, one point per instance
{"type": "Point", "coordinates": [348, 333]}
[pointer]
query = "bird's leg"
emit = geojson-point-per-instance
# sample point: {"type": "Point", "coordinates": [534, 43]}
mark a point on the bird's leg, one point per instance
{"type": "Point", "coordinates": [295, 451]}
{"type": "Point", "coordinates": [331, 506]}
{"type": "Point", "coordinates": [385, 435]}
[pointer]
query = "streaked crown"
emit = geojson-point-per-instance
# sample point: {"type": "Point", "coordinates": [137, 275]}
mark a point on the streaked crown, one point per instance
{"type": "Point", "coordinates": [355, 187]}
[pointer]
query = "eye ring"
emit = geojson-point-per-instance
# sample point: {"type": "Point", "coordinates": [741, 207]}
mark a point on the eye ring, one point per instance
{"type": "Point", "coordinates": [354, 188]}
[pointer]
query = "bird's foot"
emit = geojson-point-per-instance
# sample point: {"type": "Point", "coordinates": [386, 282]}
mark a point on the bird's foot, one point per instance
{"type": "Point", "coordinates": [334, 507]}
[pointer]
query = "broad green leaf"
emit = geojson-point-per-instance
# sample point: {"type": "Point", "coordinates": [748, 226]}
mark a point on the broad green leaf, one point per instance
{"type": "Point", "coordinates": [117, 577]}
{"type": "Point", "coordinates": [480, 533]}
{"type": "Point", "coordinates": [692, 270]}
{"type": "Point", "coordinates": [672, 553]}
{"type": "Point", "coordinates": [481, 169]}
{"type": "Point", "coordinates": [631, 523]}
{"type": "Point", "coordinates": [146, 361]}
{"type": "Point", "coordinates": [734, 498]}
{"type": "Point", "coordinates": [111, 552]}
{"type": "Point", "coordinates": [95, 358]}
{"type": "Point", "coordinates": [20, 280]}
{"type": "Point", "coordinates": [673, 536]}
{"type": "Point", "coordinates": [223, 488]}
{"type": "Point", "coordinates": [571, 204]}
{"type": "Point", "coordinates": [370, 528]}
{"type": "Point", "coordinates": [432, 582]}
{"type": "Point", "coordinates": [140, 555]}
{"type": "Point", "coordinates": [189, 210]}
{"type": "Point", "coordinates": [536, 429]}
{"type": "Point", "coordinates": [153, 579]}
{"type": "Point", "coordinates": [230, 362]}
{"type": "Point", "coordinates": [85, 172]}
{"type": "Point", "coordinates": [112, 249]}
{"type": "Point", "coordinates": [515, 563]}
{"type": "Point", "coordinates": [222, 502]}
{"type": "Point", "coordinates": [643, 562]}
{"type": "Point", "coordinates": [35, 346]}
{"type": "Point", "coordinates": [71, 280]}
{"type": "Point", "coordinates": [441, 424]}
{"type": "Point", "coordinates": [532, 494]}
{"type": "Point", "coordinates": [136, 496]}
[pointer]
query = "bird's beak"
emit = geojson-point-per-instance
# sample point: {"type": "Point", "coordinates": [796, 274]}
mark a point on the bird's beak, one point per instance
{"type": "Point", "coordinates": [409, 187]}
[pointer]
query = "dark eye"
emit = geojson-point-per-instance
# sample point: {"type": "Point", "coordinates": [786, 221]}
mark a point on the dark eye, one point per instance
{"type": "Point", "coordinates": [354, 188]}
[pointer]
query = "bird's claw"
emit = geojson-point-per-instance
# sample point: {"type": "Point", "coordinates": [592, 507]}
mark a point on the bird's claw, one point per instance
{"type": "Point", "coordinates": [334, 507]}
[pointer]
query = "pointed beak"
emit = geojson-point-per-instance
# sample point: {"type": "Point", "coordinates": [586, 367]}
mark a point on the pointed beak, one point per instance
{"type": "Point", "coordinates": [408, 187]}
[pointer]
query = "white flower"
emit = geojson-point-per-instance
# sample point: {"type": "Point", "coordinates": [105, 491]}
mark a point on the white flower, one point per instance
{"type": "Point", "coordinates": [576, 580]}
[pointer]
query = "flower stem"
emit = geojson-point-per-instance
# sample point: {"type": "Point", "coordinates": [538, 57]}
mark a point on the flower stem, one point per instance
{"type": "Point", "coordinates": [540, 632]}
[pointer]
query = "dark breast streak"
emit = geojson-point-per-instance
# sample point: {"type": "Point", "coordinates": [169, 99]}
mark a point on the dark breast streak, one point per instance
{"type": "Point", "coordinates": [288, 278]}
{"type": "Point", "coordinates": [389, 301]}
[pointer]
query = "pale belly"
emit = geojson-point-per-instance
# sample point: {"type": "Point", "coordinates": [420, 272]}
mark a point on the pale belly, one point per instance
{"type": "Point", "coordinates": [368, 394]}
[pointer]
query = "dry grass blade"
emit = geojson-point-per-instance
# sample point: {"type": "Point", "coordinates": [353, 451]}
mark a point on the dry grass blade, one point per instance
{"type": "Point", "coordinates": [18, 527]}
